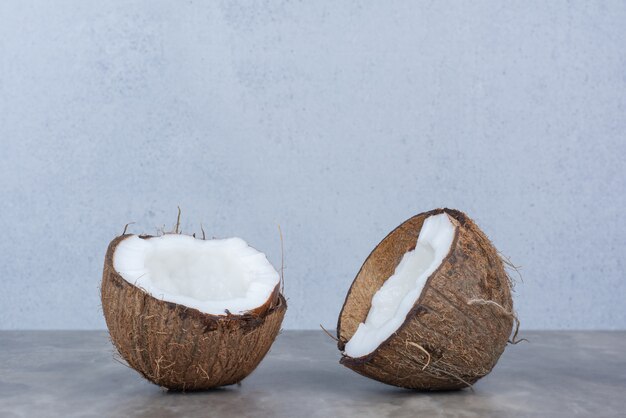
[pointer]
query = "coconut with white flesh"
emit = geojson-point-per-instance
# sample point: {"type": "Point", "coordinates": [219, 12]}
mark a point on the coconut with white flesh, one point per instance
{"type": "Point", "coordinates": [188, 313]}
{"type": "Point", "coordinates": [430, 308]}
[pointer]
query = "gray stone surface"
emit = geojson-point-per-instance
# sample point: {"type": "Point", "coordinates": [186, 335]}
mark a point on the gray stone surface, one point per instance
{"type": "Point", "coordinates": [338, 120]}
{"type": "Point", "coordinates": [72, 373]}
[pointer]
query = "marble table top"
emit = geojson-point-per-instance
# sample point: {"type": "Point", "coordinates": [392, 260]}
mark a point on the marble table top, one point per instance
{"type": "Point", "coordinates": [74, 373]}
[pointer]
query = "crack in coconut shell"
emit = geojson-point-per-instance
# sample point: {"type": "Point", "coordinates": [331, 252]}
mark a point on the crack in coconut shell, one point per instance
{"type": "Point", "coordinates": [181, 348]}
{"type": "Point", "coordinates": [444, 343]}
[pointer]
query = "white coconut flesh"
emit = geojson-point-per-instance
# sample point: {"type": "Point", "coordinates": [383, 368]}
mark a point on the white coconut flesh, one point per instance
{"type": "Point", "coordinates": [212, 276]}
{"type": "Point", "coordinates": [393, 301]}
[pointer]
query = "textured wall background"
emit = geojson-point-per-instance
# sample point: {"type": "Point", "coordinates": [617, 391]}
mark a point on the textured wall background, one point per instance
{"type": "Point", "coordinates": [336, 120]}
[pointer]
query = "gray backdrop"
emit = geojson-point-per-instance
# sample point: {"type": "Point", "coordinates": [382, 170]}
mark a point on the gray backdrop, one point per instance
{"type": "Point", "coordinates": [336, 120]}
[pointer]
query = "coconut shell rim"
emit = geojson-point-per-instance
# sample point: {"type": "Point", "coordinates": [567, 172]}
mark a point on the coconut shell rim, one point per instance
{"type": "Point", "coordinates": [274, 301]}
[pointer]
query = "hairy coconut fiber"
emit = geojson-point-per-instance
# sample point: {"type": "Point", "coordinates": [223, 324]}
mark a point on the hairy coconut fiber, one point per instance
{"type": "Point", "coordinates": [458, 327]}
{"type": "Point", "coordinates": [182, 348]}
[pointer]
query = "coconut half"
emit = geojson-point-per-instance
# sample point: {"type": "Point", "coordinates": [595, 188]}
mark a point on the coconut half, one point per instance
{"type": "Point", "coordinates": [430, 308]}
{"type": "Point", "coordinates": [188, 313]}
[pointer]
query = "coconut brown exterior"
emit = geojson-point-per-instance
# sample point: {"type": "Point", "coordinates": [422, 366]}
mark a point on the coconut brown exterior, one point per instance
{"type": "Point", "coordinates": [181, 348]}
{"type": "Point", "coordinates": [464, 338]}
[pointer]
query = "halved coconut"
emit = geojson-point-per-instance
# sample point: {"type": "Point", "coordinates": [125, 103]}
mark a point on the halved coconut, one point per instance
{"type": "Point", "coordinates": [187, 313]}
{"type": "Point", "coordinates": [430, 308]}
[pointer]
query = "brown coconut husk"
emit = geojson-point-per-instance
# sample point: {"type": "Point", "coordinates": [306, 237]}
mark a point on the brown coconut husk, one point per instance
{"type": "Point", "coordinates": [455, 333]}
{"type": "Point", "coordinates": [181, 348]}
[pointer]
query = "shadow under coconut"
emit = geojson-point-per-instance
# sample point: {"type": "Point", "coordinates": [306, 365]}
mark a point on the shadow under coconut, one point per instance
{"type": "Point", "coordinates": [223, 401]}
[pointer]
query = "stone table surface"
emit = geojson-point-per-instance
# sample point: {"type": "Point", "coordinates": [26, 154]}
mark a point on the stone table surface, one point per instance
{"type": "Point", "coordinates": [74, 373]}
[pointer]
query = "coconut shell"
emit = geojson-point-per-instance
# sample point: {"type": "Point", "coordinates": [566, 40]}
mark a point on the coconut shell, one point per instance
{"type": "Point", "coordinates": [181, 348]}
{"type": "Point", "coordinates": [452, 336]}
